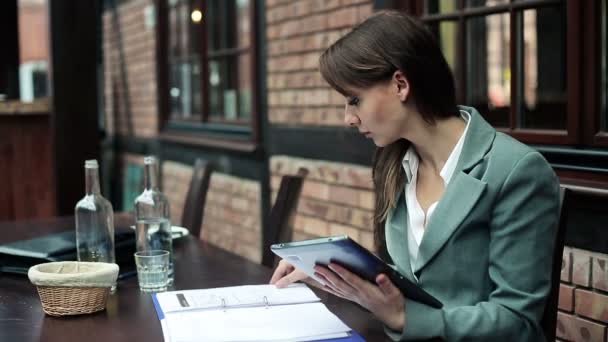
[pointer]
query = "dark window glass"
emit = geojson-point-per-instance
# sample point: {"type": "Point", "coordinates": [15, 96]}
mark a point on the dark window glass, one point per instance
{"type": "Point", "coordinates": [483, 3]}
{"type": "Point", "coordinates": [542, 68]}
{"type": "Point", "coordinates": [604, 64]}
{"type": "Point", "coordinates": [184, 37]}
{"type": "Point", "coordinates": [447, 37]}
{"type": "Point", "coordinates": [439, 6]}
{"type": "Point", "coordinates": [489, 67]}
{"type": "Point", "coordinates": [225, 27]}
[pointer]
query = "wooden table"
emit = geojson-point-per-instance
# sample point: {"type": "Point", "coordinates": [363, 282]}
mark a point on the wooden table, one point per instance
{"type": "Point", "coordinates": [130, 315]}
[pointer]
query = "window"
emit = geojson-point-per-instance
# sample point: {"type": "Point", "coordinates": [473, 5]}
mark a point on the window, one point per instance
{"type": "Point", "coordinates": [24, 62]}
{"type": "Point", "coordinates": [604, 64]}
{"type": "Point", "coordinates": [209, 72]}
{"type": "Point", "coordinates": [510, 60]}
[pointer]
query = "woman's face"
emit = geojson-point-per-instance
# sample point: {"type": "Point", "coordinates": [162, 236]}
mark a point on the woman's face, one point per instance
{"type": "Point", "coordinates": [378, 112]}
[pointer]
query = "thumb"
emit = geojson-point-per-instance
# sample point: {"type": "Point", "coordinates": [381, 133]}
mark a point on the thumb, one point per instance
{"type": "Point", "coordinates": [386, 286]}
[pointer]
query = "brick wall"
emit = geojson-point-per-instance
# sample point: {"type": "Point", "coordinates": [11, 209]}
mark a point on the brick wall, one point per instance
{"type": "Point", "coordinates": [130, 70]}
{"type": "Point", "coordinates": [297, 33]}
{"type": "Point", "coordinates": [336, 198]}
{"type": "Point", "coordinates": [583, 296]}
{"type": "Point", "coordinates": [232, 215]}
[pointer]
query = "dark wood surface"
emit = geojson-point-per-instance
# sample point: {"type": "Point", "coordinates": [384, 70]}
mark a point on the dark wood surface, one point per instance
{"type": "Point", "coordinates": [26, 165]}
{"type": "Point", "coordinates": [130, 315]}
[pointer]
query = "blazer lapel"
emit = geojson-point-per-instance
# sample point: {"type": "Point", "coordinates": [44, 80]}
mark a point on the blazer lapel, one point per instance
{"type": "Point", "coordinates": [461, 194]}
{"type": "Point", "coordinates": [458, 200]}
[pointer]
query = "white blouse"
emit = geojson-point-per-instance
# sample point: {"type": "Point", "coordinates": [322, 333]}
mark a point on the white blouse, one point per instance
{"type": "Point", "coordinates": [417, 219]}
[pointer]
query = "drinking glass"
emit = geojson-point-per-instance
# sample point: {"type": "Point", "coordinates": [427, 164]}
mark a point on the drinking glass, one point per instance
{"type": "Point", "coordinates": [152, 270]}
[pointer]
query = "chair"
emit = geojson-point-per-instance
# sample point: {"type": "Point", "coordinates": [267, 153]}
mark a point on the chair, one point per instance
{"type": "Point", "coordinates": [549, 319]}
{"type": "Point", "coordinates": [281, 214]}
{"type": "Point", "coordinates": [192, 216]}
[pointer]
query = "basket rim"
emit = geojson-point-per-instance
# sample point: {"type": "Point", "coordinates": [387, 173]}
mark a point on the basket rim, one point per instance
{"type": "Point", "coordinates": [96, 274]}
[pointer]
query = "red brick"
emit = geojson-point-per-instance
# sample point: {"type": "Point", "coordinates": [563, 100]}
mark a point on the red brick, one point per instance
{"type": "Point", "coordinates": [581, 267]}
{"type": "Point", "coordinates": [367, 200]}
{"type": "Point", "coordinates": [591, 304]}
{"type": "Point", "coordinates": [566, 296]}
{"type": "Point", "coordinates": [344, 195]}
{"type": "Point", "coordinates": [340, 229]}
{"type": "Point", "coordinates": [315, 190]}
{"type": "Point", "coordinates": [600, 272]}
{"type": "Point", "coordinates": [574, 328]}
{"type": "Point", "coordinates": [366, 239]}
{"type": "Point", "coordinates": [344, 17]}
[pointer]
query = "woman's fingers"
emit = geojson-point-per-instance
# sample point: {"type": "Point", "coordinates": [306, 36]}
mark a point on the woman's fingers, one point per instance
{"type": "Point", "coordinates": [292, 277]}
{"type": "Point", "coordinates": [386, 286]}
{"type": "Point", "coordinates": [282, 269]}
{"type": "Point", "coordinates": [336, 282]}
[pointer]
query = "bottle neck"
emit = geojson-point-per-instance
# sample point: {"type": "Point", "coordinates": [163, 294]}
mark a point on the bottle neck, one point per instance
{"type": "Point", "coordinates": [150, 177]}
{"type": "Point", "coordinates": [91, 181]}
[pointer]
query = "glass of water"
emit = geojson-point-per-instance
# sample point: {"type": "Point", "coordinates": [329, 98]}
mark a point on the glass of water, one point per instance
{"type": "Point", "coordinates": [152, 270]}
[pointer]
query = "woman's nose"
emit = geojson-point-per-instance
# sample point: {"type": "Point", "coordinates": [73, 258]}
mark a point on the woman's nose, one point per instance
{"type": "Point", "coordinates": [350, 118]}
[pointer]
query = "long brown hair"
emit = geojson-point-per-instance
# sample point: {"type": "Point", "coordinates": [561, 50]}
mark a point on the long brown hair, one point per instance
{"type": "Point", "coordinates": [384, 43]}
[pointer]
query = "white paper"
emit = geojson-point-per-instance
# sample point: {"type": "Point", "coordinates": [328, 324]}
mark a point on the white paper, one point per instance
{"type": "Point", "coordinates": [247, 313]}
{"type": "Point", "coordinates": [275, 323]}
{"type": "Point", "coordinates": [234, 297]}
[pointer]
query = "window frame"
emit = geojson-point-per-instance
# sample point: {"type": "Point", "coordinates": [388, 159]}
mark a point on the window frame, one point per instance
{"type": "Point", "coordinates": [578, 105]}
{"type": "Point", "coordinates": [232, 135]}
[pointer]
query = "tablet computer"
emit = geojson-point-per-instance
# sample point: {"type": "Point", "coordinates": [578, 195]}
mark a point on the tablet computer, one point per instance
{"type": "Point", "coordinates": [344, 251]}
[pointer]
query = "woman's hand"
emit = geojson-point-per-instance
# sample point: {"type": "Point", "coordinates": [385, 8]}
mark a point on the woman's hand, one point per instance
{"type": "Point", "coordinates": [286, 274]}
{"type": "Point", "coordinates": [384, 299]}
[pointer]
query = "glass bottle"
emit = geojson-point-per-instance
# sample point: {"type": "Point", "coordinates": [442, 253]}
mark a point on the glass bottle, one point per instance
{"type": "Point", "coordinates": [152, 219]}
{"type": "Point", "coordinates": [94, 221]}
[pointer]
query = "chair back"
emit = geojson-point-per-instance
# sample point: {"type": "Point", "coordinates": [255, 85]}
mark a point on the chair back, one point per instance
{"type": "Point", "coordinates": [549, 319]}
{"type": "Point", "coordinates": [281, 214]}
{"type": "Point", "coordinates": [192, 216]}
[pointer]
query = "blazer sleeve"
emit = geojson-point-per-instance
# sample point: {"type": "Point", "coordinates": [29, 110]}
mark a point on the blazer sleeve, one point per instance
{"type": "Point", "coordinates": [522, 237]}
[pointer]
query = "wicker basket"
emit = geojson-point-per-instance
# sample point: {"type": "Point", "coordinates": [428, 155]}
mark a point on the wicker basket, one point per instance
{"type": "Point", "coordinates": [73, 288]}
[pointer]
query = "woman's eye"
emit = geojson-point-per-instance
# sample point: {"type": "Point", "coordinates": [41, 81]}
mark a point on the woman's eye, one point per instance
{"type": "Point", "coordinates": [353, 101]}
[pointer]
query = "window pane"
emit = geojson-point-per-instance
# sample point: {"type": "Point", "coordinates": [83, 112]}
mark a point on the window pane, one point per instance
{"type": "Point", "coordinates": [439, 6]}
{"type": "Point", "coordinates": [33, 49]}
{"type": "Point", "coordinates": [447, 37]}
{"type": "Point", "coordinates": [184, 38]}
{"type": "Point", "coordinates": [228, 24]}
{"type": "Point", "coordinates": [230, 86]}
{"type": "Point", "coordinates": [542, 82]}
{"type": "Point", "coordinates": [604, 39]}
{"type": "Point", "coordinates": [489, 67]}
{"type": "Point", "coordinates": [482, 3]}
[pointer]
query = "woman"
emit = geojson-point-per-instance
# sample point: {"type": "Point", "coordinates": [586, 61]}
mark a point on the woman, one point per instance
{"type": "Point", "coordinates": [468, 213]}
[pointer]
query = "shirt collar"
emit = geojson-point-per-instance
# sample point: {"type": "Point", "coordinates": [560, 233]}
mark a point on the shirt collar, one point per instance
{"type": "Point", "coordinates": [410, 160]}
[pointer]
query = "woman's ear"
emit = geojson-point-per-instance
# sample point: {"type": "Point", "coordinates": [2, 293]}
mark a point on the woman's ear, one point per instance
{"type": "Point", "coordinates": [403, 86]}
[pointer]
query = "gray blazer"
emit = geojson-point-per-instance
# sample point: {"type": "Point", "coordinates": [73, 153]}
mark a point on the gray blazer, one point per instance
{"type": "Point", "coordinates": [487, 249]}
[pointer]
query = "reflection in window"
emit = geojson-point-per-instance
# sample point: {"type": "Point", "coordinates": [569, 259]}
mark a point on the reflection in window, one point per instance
{"type": "Point", "coordinates": [482, 3]}
{"type": "Point", "coordinates": [225, 27]}
{"type": "Point", "coordinates": [185, 97]}
{"type": "Point", "coordinates": [488, 66]}
{"type": "Point", "coordinates": [230, 61]}
{"type": "Point", "coordinates": [33, 49]}
{"type": "Point", "coordinates": [542, 82]}
{"type": "Point", "coordinates": [604, 67]}
{"type": "Point", "coordinates": [439, 6]}
{"type": "Point", "coordinates": [446, 33]}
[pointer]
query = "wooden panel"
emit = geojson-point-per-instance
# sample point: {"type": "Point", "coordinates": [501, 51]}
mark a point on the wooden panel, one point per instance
{"type": "Point", "coordinates": [26, 175]}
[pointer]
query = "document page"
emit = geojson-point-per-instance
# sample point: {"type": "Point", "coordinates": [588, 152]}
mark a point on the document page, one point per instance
{"type": "Point", "coordinates": [275, 323]}
{"type": "Point", "coordinates": [234, 296]}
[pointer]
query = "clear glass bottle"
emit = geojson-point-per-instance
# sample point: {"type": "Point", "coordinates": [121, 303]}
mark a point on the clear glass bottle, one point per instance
{"type": "Point", "coordinates": [152, 219]}
{"type": "Point", "coordinates": [94, 221]}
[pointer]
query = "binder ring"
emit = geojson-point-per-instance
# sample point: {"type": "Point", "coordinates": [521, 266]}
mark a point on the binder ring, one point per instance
{"type": "Point", "coordinates": [266, 302]}
{"type": "Point", "coordinates": [224, 304]}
